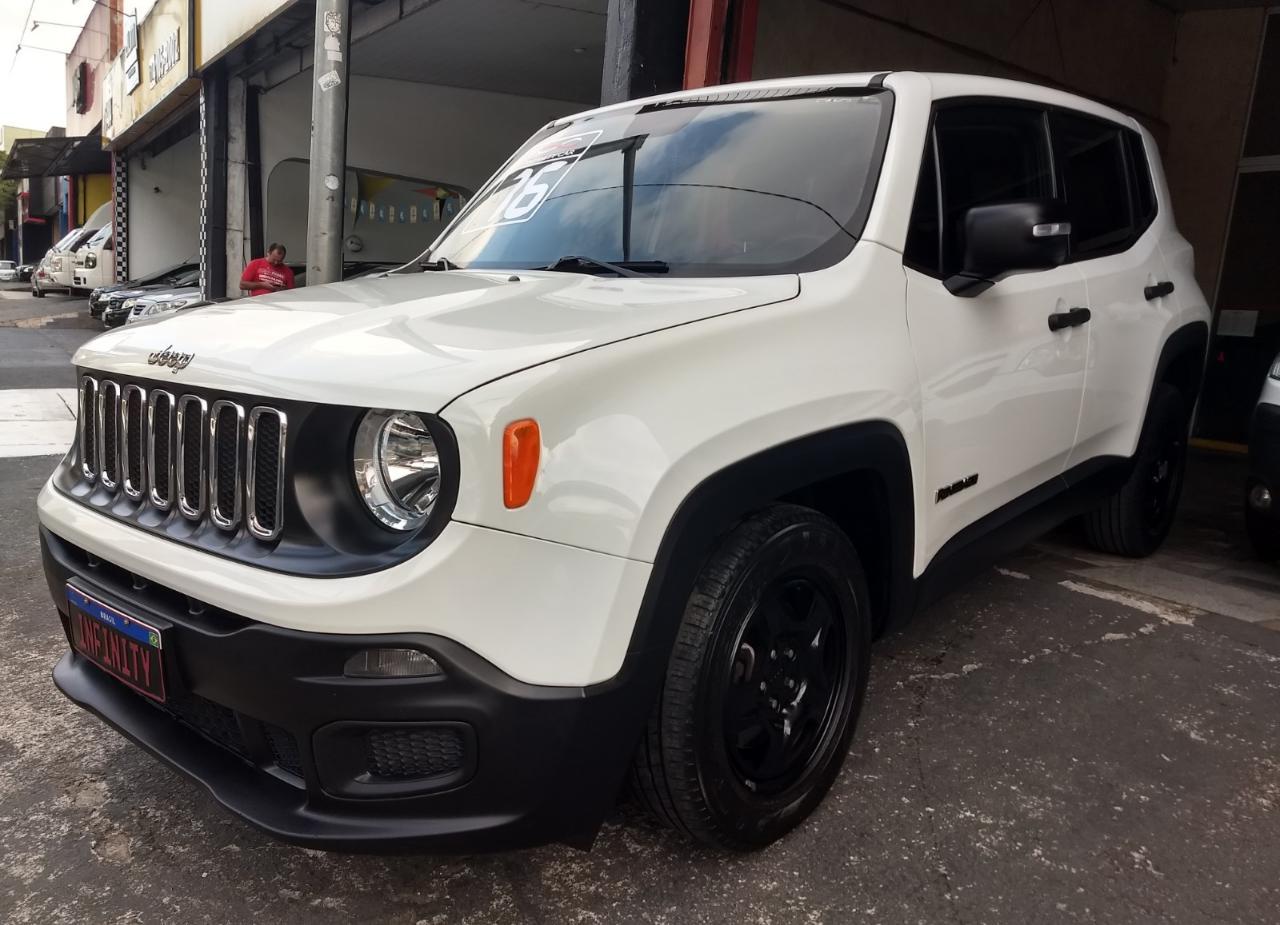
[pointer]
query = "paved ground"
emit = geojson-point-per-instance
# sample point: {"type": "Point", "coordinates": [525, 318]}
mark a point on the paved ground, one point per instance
{"type": "Point", "coordinates": [1045, 745]}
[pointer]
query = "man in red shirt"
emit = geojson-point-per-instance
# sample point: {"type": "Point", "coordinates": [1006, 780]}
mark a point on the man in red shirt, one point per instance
{"type": "Point", "coordinates": [267, 274]}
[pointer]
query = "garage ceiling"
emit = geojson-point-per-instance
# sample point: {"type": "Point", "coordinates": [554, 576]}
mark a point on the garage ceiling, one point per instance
{"type": "Point", "coordinates": [1185, 6]}
{"type": "Point", "coordinates": [545, 49]}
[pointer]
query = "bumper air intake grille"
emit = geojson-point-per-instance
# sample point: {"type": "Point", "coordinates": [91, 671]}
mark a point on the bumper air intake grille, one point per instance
{"type": "Point", "coordinates": [404, 754]}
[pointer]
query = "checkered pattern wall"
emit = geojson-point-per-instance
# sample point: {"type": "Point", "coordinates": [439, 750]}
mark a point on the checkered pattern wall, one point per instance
{"type": "Point", "coordinates": [120, 215]}
{"type": "Point", "coordinates": [204, 200]}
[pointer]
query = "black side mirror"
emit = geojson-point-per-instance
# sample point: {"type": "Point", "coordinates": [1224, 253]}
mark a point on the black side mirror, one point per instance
{"type": "Point", "coordinates": [1008, 237]}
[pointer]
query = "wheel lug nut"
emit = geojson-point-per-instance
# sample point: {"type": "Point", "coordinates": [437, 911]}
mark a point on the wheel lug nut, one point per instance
{"type": "Point", "coordinates": [791, 684]}
{"type": "Point", "coordinates": [763, 687]}
{"type": "Point", "coordinates": [790, 654]}
{"type": "Point", "coordinates": [773, 654]}
{"type": "Point", "coordinates": [773, 704]}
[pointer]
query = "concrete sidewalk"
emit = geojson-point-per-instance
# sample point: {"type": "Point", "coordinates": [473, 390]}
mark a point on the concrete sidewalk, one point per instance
{"type": "Point", "coordinates": [36, 422]}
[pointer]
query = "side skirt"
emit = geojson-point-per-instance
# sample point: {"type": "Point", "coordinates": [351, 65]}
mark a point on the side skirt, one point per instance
{"type": "Point", "coordinates": [1022, 520]}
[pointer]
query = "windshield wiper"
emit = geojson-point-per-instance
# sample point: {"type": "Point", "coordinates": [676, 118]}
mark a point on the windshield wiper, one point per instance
{"type": "Point", "coordinates": [622, 268]}
{"type": "Point", "coordinates": [441, 263]}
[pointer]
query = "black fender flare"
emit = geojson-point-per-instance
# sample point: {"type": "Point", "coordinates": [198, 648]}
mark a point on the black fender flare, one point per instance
{"type": "Point", "coordinates": [708, 512]}
{"type": "Point", "coordinates": [1192, 339]}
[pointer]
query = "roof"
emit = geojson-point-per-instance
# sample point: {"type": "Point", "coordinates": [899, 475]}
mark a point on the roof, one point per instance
{"type": "Point", "coordinates": [56, 157]}
{"type": "Point", "coordinates": [940, 86]}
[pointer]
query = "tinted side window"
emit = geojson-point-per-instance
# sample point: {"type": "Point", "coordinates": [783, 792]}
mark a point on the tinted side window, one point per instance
{"type": "Point", "coordinates": [1091, 164]}
{"type": "Point", "coordinates": [1144, 194]}
{"type": "Point", "coordinates": [987, 154]}
{"type": "Point", "coordinates": [923, 237]}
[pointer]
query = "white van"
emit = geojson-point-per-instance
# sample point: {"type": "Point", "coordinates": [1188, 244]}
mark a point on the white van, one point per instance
{"type": "Point", "coordinates": [59, 262]}
{"type": "Point", "coordinates": [95, 263]}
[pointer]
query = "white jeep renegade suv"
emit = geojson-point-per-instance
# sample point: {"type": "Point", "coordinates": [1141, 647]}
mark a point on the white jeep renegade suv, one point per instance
{"type": "Point", "coordinates": [697, 396]}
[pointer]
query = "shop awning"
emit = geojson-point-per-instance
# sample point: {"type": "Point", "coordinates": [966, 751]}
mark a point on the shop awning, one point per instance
{"type": "Point", "coordinates": [56, 157]}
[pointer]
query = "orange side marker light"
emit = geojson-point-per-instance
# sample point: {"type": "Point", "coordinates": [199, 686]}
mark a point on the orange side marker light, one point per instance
{"type": "Point", "coordinates": [521, 447]}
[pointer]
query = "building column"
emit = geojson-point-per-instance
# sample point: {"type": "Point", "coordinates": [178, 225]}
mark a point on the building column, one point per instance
{"type": "Point", "coordinates": [120, 214]}
{"type": "Point", "coordinates": [644, 48]}
{"type": "Point", "coordinates": [721, 42]}
{"type": "Point", "coordinates": [213, 184]}
{"type": "Point", "coordinates": [326, 209]}
{"type": "Point", "coordinates": [237, 169]}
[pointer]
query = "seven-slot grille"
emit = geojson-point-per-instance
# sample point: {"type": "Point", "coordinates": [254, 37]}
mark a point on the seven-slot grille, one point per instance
{"type": "Point", "coordinates": [210, 460]}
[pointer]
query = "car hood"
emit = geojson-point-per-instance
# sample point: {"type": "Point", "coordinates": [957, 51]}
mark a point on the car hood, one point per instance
{"type": "Point", "coordinates": [416, 340]}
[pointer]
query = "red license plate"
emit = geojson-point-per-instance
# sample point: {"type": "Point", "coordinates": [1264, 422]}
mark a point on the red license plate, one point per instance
{"type": "Point", "coordinates": [123, 646]}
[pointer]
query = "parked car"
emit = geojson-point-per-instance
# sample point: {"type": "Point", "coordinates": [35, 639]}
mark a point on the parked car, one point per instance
{"type": "Point", "coordinates": [150, 302]}
{"type": "Point", "coordinates": [111, 303]}
{"type": "Point", "coordinates": [94, 263]}
{"type": "Point", "coordinates": [696, 396]}
{"type": "Point", "coordinates": [25, 271]}
{"type": "Point", "coordinates": [43, 280]}
{"type": "Point", "coordinates": [1262, 504]}
{"type": "Point", "coordinates": [8, 271]}
{"type": "Point", "coordinates": [169, 276]}
{"type": "Point", "coordinates": [60, 267]}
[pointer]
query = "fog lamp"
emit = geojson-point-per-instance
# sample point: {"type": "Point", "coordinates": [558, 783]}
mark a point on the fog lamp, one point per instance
{"type": "Point", "coordinates": [391, 663]}
{"type": "Point", "coordinates": [1260, 497]}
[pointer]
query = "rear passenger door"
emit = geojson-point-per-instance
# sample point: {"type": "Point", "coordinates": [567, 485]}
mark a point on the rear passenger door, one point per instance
{"type": "Point", "coordinates": [1000, 391]}
{"type": "Point", "coordinates": [1105, 179]}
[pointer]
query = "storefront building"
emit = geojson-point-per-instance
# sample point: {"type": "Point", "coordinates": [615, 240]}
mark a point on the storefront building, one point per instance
{"type": "Point", "coordinates": [207, 111]}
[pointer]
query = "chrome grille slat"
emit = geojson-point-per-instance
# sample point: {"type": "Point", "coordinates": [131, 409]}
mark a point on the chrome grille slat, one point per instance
{"type": "Point", "coordinates": [133, 471]}
{"type": "Point", "coordinates": [160, 462]}
{"type": "Point", "coordinates": [264, 492]}
{"type": "Point", "coordinates": [108, 433]}
{"type": "Point", "coordinates": [206, 457]}
{"type": "Point", "coordinates": [86, 427]}
{"type": "Point", "coordinates": [189, 451]}
{"type": "Point", "coordinates": [226, 485]}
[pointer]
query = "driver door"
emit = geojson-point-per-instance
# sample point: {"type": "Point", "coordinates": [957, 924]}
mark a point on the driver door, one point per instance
{"type": "Point", "coordinates": [1000, 392]}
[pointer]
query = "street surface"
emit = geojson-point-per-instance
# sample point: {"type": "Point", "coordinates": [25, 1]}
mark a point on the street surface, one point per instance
{"type": "Point", "coordinates": [1070, 738]}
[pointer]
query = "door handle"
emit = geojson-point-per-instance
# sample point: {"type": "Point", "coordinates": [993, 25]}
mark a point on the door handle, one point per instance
{"type": "Point", "coordinates": [1158, 291]}
{"type": "Point", "coordinates": [1071, 319]}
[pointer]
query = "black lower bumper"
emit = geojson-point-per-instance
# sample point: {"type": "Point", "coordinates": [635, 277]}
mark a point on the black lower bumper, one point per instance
{"type": "Point", "coordinates": [1264, 453]}
{"type": "Point", "coordinates": [265, 720]}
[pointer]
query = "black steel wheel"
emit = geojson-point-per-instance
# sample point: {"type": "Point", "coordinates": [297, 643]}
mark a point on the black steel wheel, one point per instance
{"type": "Point", "coordinates": [764, 686]}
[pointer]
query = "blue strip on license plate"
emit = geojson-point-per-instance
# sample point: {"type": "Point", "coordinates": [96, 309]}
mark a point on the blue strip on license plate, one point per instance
{"type": "Point", "coordinates": [138, 632]}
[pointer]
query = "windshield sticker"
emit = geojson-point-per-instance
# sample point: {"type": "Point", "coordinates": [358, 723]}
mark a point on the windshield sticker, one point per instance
{"type": "Point", "coordinates": [532, 180]}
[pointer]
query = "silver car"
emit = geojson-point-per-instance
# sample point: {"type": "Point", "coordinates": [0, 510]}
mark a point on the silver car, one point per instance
{"type": "Point", "coordinates": [161, 303]}
{"type": "Point", "coordinates": [1262, 506]}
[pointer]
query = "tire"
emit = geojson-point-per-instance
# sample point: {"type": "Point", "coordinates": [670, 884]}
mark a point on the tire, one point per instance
{"type": "Point", "coordinates": [37, 292]}
{"type": "Point", "coordinates": [726, 758]}
{"type": "Point", "coordinates": [1136, 519]}
{"type": "Point", "coordinates": [1264, 533]}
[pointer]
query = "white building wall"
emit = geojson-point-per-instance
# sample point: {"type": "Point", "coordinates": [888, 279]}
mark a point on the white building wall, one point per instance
{"type": "Point", "coordinates": [445, 134]}
{"type": "Point", "coordinates": [164, 207]}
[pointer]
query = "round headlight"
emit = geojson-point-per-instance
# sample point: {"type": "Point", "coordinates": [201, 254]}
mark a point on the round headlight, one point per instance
{"type": "Point", "coordinates": [397, 468]}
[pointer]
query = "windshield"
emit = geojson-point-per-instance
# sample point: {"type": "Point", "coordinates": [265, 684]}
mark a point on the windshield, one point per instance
{"type": "Point", "coordinates": [7, 264]}
{"type": "Point", "coordinates": [70, 236]}
{"type": "Point", "coordinates": [100, 237]}
{"type": "Point", "coordinates": [735, 183]}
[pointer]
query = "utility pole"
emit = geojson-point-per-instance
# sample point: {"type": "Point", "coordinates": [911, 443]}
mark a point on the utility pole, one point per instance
{"type": "Point", "coordinates": [325, 204]}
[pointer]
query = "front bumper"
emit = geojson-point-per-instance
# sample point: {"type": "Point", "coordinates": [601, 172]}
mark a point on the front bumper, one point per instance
{"type": "Point", "coordinates": [1264, 454]}
{"type": "Point", "coordinates": [263, 718]}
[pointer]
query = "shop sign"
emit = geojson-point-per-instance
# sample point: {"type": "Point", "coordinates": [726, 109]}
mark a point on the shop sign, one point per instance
{"type": "Point", "coordinates": [108, 103]}
{"type": "Point", "coordinates": [168, 84]}
{"type": "Point", "coordinates": [164, 59]}
{"type": "Point", "coordinates": [130, 56]}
